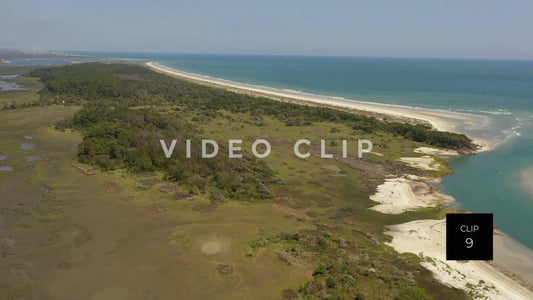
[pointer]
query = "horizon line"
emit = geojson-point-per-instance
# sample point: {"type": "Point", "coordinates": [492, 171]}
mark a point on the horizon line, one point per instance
{"type": "Point", "coordinates": [68, 51]}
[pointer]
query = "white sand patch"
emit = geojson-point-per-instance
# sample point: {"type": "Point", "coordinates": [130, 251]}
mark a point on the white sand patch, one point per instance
{"type": "Point", "coordinates": [435, 151]}
{"type": "Point", "coordinates": [211, 247]}
{"type": "Point", "coordinates": [427, 239]}
{"type": "Point", "coordinates": [513, 257]}
{"type": "Point", "coordinates": [425, 162]}
{"type": "Point", "coordinates": [398, 195]}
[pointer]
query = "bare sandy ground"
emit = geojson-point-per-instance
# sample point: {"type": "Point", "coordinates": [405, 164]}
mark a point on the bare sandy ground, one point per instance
{"type": "Point", "coordinates": [211, 247]}
{"type": "Point", "coordinates": [425, 162]}
{"type": "Point", "coordinates": [427, 239]}
{"type": "Point", "coordinates": [438, 152]}
{"type": "Point", "coordinates": [398, 195]}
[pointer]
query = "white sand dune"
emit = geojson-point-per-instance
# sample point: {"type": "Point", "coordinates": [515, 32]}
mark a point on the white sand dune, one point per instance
{"type": "Point", "coordinates": [438, 152]}
{"type": "Point", "coordinates": [398, 195]}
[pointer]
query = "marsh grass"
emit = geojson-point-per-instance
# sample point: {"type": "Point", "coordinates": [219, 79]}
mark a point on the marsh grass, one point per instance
{"type": "Point", "coordinates": [316, 236]}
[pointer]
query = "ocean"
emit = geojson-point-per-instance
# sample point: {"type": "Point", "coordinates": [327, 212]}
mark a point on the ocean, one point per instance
{"type": "Point", "coordinates": [500, 92]}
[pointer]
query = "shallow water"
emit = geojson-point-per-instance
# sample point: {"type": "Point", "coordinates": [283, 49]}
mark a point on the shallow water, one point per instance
{"type": "Point", "coordinates": [27, 146]}
{"type": "Point", "coordinates": [526, 180]}
{"type": "Point", "coordinates": [33, 158]}
{"type": "Point", "coordinates": [9, 86]}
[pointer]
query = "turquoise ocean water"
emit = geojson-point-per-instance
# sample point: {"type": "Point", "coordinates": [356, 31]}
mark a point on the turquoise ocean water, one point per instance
{"type": "Point", "coordinates": [499, 91]}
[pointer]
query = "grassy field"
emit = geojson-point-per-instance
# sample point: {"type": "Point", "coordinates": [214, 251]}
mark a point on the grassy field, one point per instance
{"type": "Point", "coordinates": [68, 235]}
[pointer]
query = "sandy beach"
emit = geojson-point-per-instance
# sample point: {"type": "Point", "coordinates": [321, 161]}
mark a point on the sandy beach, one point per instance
{"type": "Point", "coordinates": [509, 276]}
{"type": "Point", "coordinates": [440, 120]}
{"type": "Point", "coordinates": [427, 239]}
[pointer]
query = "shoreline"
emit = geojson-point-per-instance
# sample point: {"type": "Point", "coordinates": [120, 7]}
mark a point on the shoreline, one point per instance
{"type": "Point", "coordinates": [494, 280]}
{"type": "Point", "coordinates": [440, 120]}
{"type": "Point", "coordinates": [507, 274]}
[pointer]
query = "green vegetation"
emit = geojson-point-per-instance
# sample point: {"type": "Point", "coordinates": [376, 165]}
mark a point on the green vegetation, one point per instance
{"type": "Point", "coordinates": [121, 137]}
{"type": "Point", "coordinates": [121, 131]}
{"type": "Point", "coordinates": [156, 222]}
{"type": "Point", "coordinates": [135, 85]}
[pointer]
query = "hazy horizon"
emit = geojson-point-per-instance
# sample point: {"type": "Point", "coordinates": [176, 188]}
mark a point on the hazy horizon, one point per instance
{"type": "Point", "coordinates": [97, 53]}
{"type": "Point", "coordinates": [450, 29]}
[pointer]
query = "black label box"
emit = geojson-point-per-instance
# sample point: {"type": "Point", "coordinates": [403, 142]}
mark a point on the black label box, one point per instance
{"type": "Point", "coordinates": [469, 237]}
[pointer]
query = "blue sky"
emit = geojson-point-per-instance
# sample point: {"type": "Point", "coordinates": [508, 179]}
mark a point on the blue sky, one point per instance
{"type": "Point", "coordinates": [409, 28]}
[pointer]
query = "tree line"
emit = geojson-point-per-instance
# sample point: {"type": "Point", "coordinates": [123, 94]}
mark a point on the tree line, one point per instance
{"type": "Point", "coordinates": [121, 130]}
